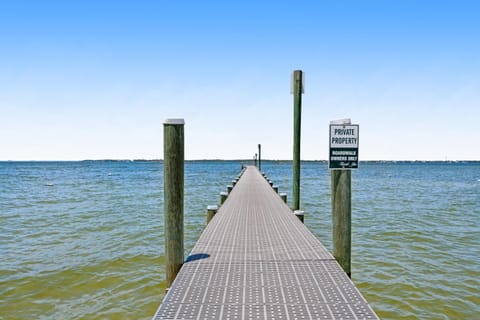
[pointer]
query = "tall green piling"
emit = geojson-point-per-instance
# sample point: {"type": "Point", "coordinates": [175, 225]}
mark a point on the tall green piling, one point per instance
{"type": "Point", "coordinates": [173, 175]}
{"type": "Point", "coordinates": [297, 90]}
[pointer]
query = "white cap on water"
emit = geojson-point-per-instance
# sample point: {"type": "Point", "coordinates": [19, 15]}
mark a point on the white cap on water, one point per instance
{"type": "Point", "coordinates": [174, 121]}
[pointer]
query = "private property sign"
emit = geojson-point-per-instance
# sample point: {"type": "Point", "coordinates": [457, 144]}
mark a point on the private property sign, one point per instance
{"type": "Point", "coordinates": [343, 146]}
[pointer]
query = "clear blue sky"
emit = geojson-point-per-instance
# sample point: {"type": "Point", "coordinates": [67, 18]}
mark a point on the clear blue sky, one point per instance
{"type": "Point", "coordinates": [96, 79]}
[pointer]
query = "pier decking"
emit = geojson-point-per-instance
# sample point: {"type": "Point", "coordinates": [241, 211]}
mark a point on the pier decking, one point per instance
{"type": "Point", "coordinates": [256, 260]}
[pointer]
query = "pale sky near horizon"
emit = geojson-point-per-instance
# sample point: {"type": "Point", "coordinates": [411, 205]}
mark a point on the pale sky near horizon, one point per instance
{"type": "Point", "coordinates": [96, 79]}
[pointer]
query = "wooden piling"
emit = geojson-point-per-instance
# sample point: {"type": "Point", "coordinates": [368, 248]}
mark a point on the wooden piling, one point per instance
{"type": "Point", "coordinates": [283, 195]}
{"type": "Point", "coordinates": [259, 157]}
{"type": "Point", "coordinates": [297, 117]}
{"type": "Point", "coordinates": [223, 197]}
{"type": "Point", "coordinates": [275, 188]}
{"type": "Point", "coordinates": [229, 188]}
{"type": "Point", "coordinates": [341, 218]}
{"type": "Point", "coordinates": [211, 211]}
{"type": "Point", "coordinates": [299, 214]}
{"type": "Point", "coordinates": [173, 175]}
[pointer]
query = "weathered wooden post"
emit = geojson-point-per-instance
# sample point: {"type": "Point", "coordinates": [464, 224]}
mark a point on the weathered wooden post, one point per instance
{"type": "Point", "coordinates": [173, 176]}
{"type": "Point", "coordinates": [299, 214]}
{"type": "Point", "coordinates": [297, 90]}
{"type": "Point", "coordinates": [260, 157]}
{"type": "Point", "coordinates": [211, 211]}
{"type": "Point", "coordinates": [275, 188]}
{"type": "Point", "coordinates": [223, 197]}
{"type": "Point", "coordinates": [255, 160]}
{"type": "Point", "coordinates": [342, 218]}
{"type": "Point", "coordinates": [343, 157]}
{"type": "Point", "coordinates": [229, 188]}
{"type": "Point", "coordinates": [283, 195]}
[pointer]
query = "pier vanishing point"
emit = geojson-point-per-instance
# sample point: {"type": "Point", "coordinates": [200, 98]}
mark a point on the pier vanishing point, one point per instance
{"type": "Point", "coordinates": [256, 260]}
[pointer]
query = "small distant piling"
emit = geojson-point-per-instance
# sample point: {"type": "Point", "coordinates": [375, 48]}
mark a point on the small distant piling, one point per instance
{"type": "Point", "coordinates": [260, 157]}
{"type": "Point", "coordinates": [299, 214]}
{"type": "Point", "coordinates": [173, 175]}
{"type": "Point", "coordinates": [211, 211]}
{"type": "Point", "coordinates": [223, 197]}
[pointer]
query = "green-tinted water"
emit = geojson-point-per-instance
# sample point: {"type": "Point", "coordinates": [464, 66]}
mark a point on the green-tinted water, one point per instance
{"type": "Point", "coordinates": [84, 240]}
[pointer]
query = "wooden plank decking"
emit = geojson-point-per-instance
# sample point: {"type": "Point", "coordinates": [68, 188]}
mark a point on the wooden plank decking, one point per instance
{"type": "Point", "coordinates": [256, 260]}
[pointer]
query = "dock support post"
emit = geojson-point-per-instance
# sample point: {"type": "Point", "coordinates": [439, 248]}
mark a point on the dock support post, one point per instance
{"type": "Point", "coordinates": [342, 218]}
{"type": "Point", "coordinates": [300, 214]}
{"type": "Point", "coordinates": [283, 195]}
{"type": "Point", "coordinates": [211, 211]}
{"type": "Point", "coordinates": [173, 175]}
{"type": "Point", "coordinates": [297, 118]}
{"type": "Point", "coordinates": [260, 157]}
{"type": "Point", "coordinates": [223, 197]}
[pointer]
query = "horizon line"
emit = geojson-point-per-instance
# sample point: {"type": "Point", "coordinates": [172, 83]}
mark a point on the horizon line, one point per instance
{"type": "Point", "coordinates": [239, 160]}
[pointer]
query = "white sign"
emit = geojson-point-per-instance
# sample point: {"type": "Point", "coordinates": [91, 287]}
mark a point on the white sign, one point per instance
{"type": "Point", "coordinates": [343, 146]}
{"type": "Point", "coordinates": [344, 136]}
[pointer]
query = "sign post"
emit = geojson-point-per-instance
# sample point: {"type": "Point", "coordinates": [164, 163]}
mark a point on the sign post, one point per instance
{"type": "Point", "coordinates": [343, 157]}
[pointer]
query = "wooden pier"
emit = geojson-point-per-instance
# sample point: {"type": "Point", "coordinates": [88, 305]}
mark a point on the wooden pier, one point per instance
{"type": "Point", "coordinates": [256, 260]}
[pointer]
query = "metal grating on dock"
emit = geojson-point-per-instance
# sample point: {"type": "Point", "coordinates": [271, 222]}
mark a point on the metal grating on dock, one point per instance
{"type": "Point", "coordinates": [256, 260]}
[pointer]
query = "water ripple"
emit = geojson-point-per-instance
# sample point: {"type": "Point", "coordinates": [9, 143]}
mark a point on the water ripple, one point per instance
{"type": "Point", "coordinates": [84, 240]}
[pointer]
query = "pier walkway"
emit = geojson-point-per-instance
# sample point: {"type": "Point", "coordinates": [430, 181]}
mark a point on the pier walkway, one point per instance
{"type": "Point", "coordinates": [256, 260]}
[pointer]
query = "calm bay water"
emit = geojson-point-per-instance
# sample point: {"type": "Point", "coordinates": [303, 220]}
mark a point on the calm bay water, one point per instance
{"type": "Point", "coordinates": [84, 240]}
